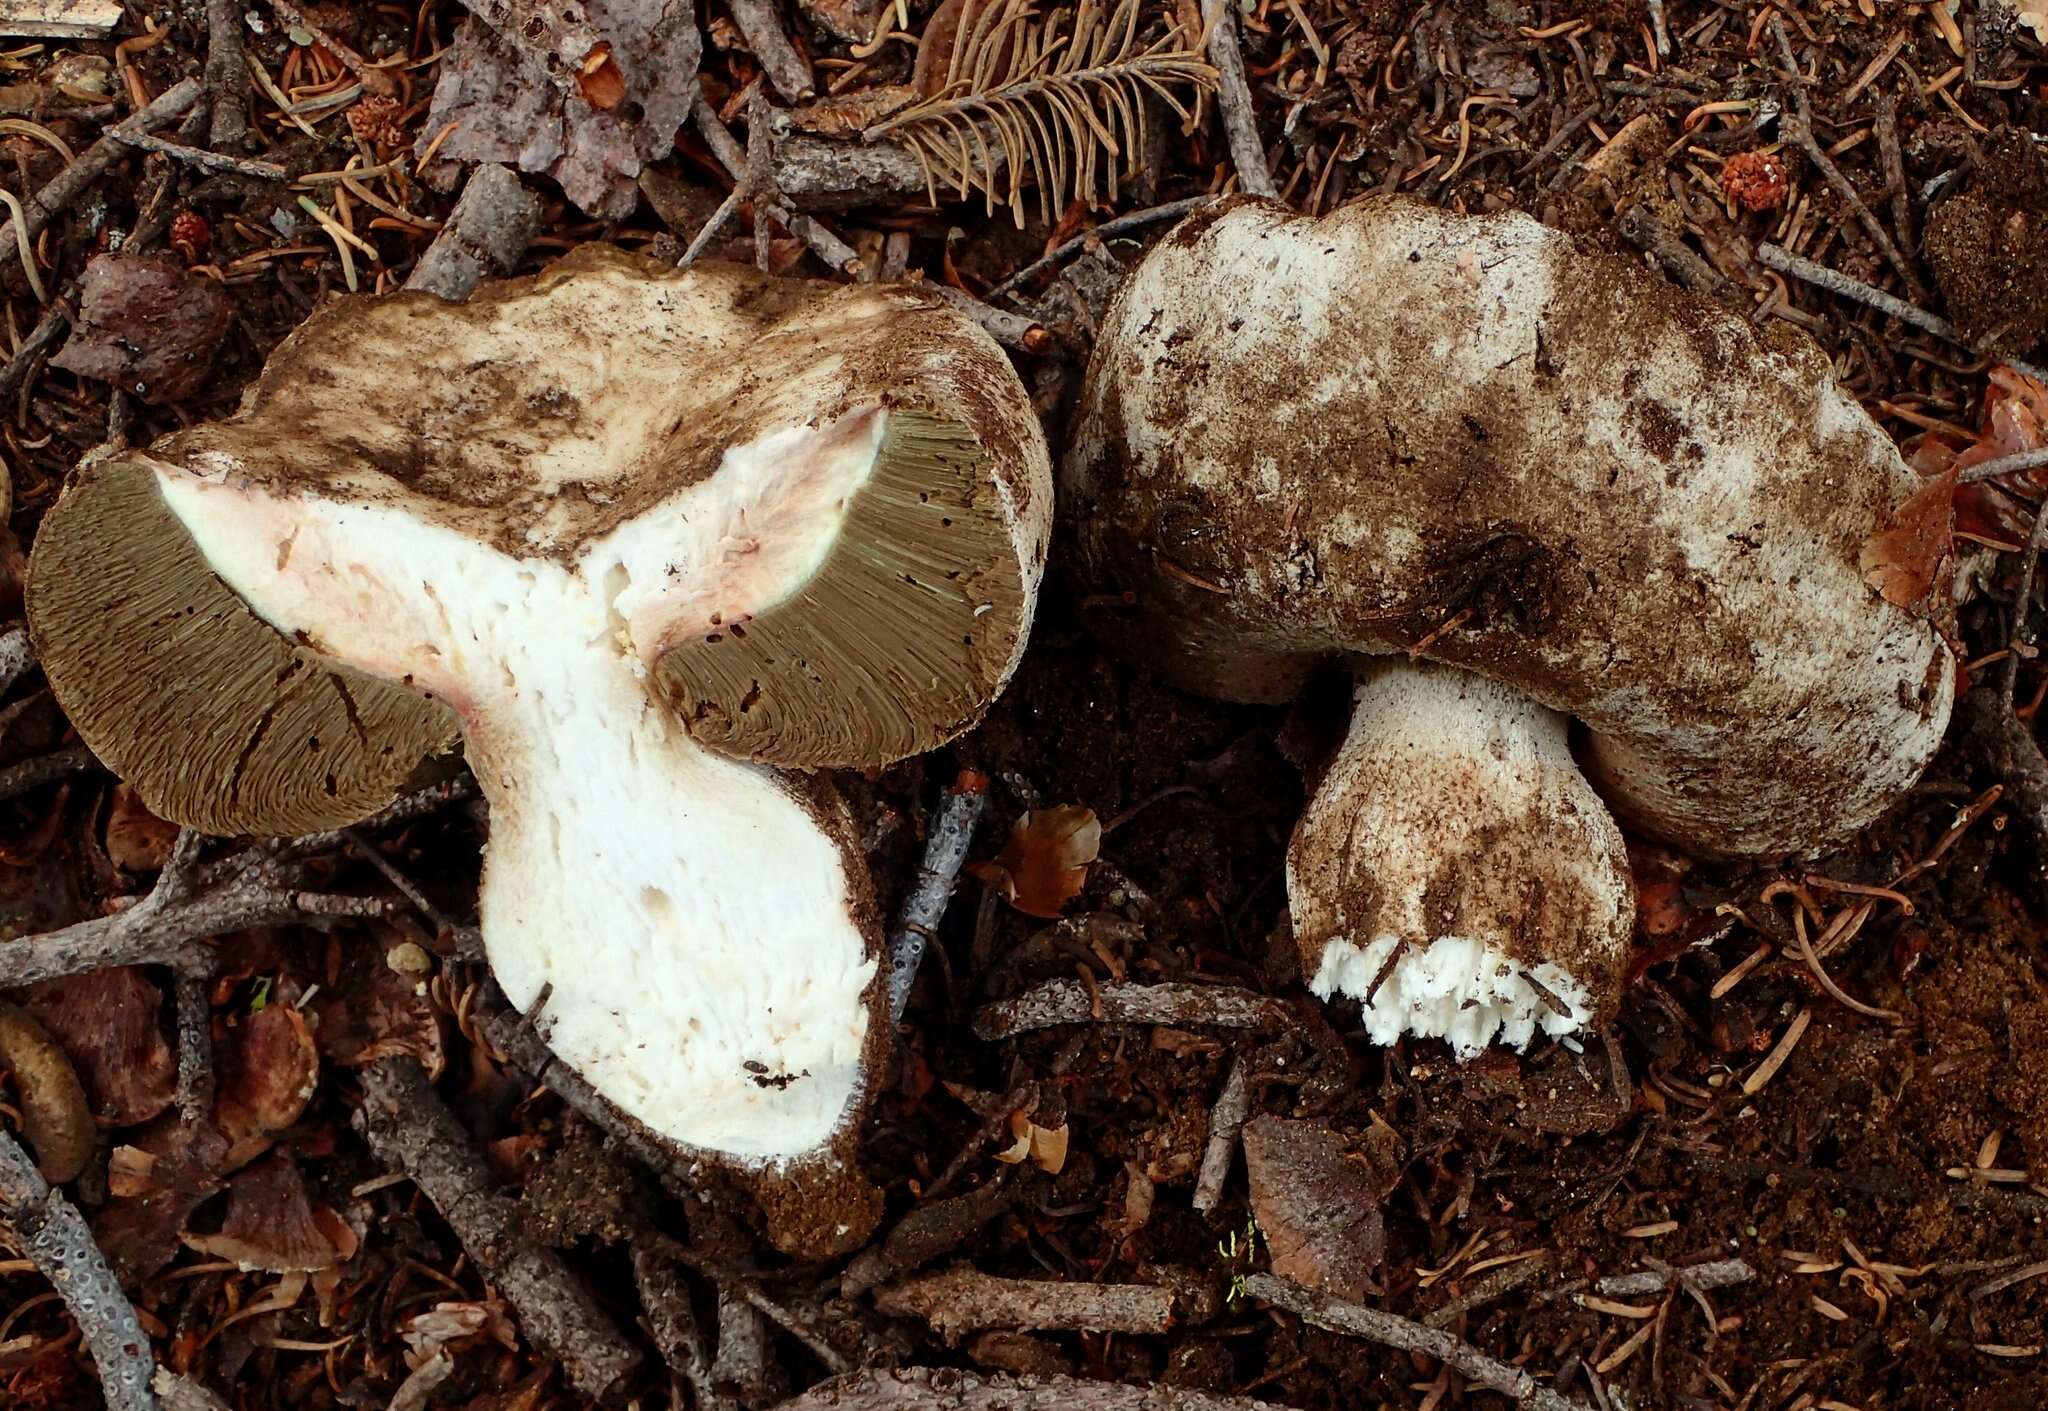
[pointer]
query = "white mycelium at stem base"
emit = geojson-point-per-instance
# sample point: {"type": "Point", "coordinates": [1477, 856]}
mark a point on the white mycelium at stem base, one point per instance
{"type": "Point", "coordinates": [1454, 834]}
{"type": "Point", "coordinates": [693, 915]}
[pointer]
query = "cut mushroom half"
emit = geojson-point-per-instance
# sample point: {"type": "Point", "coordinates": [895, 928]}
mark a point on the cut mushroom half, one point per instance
{"type": "Point", "coordinates": [1512, 483]}
{"type": "Point", "coordinates": [647, 536]}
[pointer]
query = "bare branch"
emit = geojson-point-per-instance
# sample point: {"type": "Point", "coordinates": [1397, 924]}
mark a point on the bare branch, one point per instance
{"type": "Point", "coordinates": [947, 1389]}
{"type": "Point", "coordinates": [55, 1238]}
{"type": "Point", "coordinates": [1391, 1330]}
{"type": "Point", "coordinates": [409, 1128]}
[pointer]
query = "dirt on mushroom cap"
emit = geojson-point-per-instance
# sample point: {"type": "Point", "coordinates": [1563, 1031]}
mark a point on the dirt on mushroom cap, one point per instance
{"type": "Point", "coordinates": [1303, 436]}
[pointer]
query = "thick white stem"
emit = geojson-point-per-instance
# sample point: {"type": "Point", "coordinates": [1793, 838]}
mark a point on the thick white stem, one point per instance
{"type": "Point", "coordinates": [1457, 869]}
{"type": "Point", "coordinates": [693, 922]}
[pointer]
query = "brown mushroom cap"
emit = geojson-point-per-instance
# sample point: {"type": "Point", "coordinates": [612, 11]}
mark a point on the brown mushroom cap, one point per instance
{"type": "Point", "coordinates": [1394, 427]}
{"type": "Point", "coordinates": [522, 419]}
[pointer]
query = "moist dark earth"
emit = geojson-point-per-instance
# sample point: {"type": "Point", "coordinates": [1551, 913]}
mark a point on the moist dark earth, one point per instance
{"type": "Point", "coordinates": [1880, 1167]}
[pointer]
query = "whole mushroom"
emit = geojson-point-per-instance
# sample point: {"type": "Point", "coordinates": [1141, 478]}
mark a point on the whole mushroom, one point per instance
{"type": "Point", "coordinates": [1511, 484]}
{"type": "Point", "coordinates": [651, 541]}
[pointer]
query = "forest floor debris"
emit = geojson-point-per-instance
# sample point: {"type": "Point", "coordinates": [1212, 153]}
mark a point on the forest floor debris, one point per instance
{"type": "Point", "coordinates": [1733, 1206]}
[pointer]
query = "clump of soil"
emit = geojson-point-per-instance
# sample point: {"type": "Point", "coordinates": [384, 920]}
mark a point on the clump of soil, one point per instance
{"type": "Point", "coordinates": [1989, 249]}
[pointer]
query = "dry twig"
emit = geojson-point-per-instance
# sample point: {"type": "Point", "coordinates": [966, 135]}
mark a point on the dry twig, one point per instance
{"type": "Point", "coordinates": [227, 78]}
{"type": "Point", "coordinates": [410, 1130]}
{"type": "Point", "coordinates": [257, 887]}
{"type": "Point", "coordinates": [1071, 1002]}
{"type": "Point", "coordinates": [54, 1236]}
{"type": "Point", "coordinates": [672, 1321]}
{"type": "Point", "coordinates": [1122, 225]}
{"type": "Point", "coordinates": [828, 247]}
{"type": "Point", "coordinates": [493, 222]}
{"type": "Point", "coordinates": [963, 1299]}
{"type": "Point", "coordinates": [948, 834]}
{"type": "Point", "coordinates": [946, 1389]}
{"type": "Point", "coordinates": [1234, 100]}
{"type": "Point", "coordinates": [200, 157]}
{"type": "Point", "coordinates": [1390, 1330]}
{"type": "Point", "coordinates": [1226, 1121]}
{"type": "Point", "coordinates": [1714, 1274]}
{"type": "Point", "coordinates": [785, 67]}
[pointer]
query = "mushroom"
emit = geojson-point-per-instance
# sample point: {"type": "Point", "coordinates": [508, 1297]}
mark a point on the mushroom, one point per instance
{"type": "Point", "coordinates": [1510, 483]}
{"type": "Point", "coordinates": [652, 540]}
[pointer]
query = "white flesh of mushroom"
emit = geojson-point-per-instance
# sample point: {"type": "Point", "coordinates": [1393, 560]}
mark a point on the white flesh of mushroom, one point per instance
{"type": "Point", "coordinates": [1454, 824]}
{"type": "Point", "coordinates": [693, 917]}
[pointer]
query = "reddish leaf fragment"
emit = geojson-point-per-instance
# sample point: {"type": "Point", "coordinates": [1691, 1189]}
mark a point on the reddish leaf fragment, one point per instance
{"type": "Point", "coordinates": [599, 79]}
{"type": "Point", "coordinates": [1045, 863]}
{"type": "Point", "coordinates": [377, 1009]}
{"type": "Point", "coordinates": [1316, 1207]}
{"type": "Point", "coordinates": [172, 1169]}
{"type": "Point", "coordinates": [1906, 560]}
{"type": "Point", "coordinates": [265, 1084]}
{"type": "Point", "coordinates": [111, 1023]}
{"type": "Point", "coordinates": [148, 326]}
{"type": "Point", "coordinates": [137, 840]}
{"type": "Point", "coordinates": [2015, 421]}
{"type": "Point", "coordinates": [270, 1224]}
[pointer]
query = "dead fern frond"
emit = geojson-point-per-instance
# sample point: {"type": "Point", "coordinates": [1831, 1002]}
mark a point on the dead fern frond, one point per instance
{"type": "Point", "coordinates": [1054, 98]}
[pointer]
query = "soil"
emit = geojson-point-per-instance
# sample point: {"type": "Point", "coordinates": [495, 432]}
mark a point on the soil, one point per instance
{"type": "Point", "coordinates": [1884, 1175]}
{"type": "Point", "coordinates": [1988, 246]}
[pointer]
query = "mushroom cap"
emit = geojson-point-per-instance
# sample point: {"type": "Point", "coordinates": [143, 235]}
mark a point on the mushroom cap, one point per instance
{"type": "Point", "coordinates": [1307, 437]}
{"type": "Point", "coordinates": [537, 418]}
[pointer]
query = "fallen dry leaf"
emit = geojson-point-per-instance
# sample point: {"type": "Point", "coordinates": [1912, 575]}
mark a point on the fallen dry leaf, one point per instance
{"type": "Point", "coordinates": [170, 1171]}
{"type": "Point", "coordinates": [374, 1009]}
{"type": "Point", "coordinates": [270, 1224]}
{"type": "Point", "coordinates": [2034, 15]}
{"type": "Point", "coordinates": [1905, 560]}
{"type": "Point", "coordinates": [1316, 1208]}
{"type": "Point", "coordinates": [110, 1022]}
{"type": "Point", "coordinates": [137, 840]}
{"type": "Point", "coordinates": [148, 326]}
{"type": "Point", "coordinates": [266, 1082]}
{"type": "Point", "coordinates": [2015, 419]}
{"type": "Point", "coordinates": [1043, 1147]}
{"type": "Point", "coordinates": [427, 1333]}
{"type": "Point", "coordinates": [1044, 865]}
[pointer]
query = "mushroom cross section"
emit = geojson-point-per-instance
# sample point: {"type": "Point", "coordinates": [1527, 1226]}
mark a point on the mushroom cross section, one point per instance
{"type": "Point", "coordinates": [646, 536]}
{"type": "Point", "coordinates": [1511, 484]}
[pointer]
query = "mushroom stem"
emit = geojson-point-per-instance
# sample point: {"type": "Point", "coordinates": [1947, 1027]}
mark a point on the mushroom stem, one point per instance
{"type": "Point", "coordinates": [1454, 871]}
{"type": "Point", "coordinates": [726, 1017]}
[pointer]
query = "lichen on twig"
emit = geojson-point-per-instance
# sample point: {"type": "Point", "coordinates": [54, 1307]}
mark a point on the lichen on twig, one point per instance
{"type": "Point", "coordinates": [55, 1238]}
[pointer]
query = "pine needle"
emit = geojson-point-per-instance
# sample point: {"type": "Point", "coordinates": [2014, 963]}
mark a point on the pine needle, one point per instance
{"type": "Point", "coordinates": [1060, 97]}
